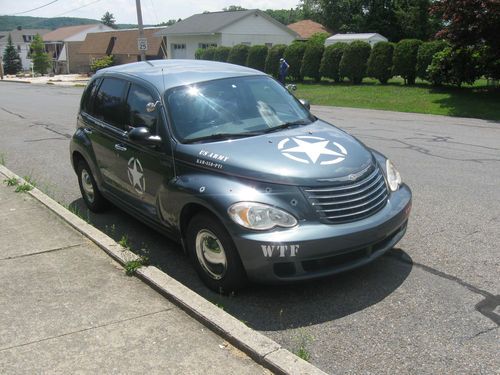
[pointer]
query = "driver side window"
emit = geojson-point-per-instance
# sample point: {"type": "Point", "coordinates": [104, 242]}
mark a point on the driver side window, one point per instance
{"type": "Point", "coordinates": [136, 114]}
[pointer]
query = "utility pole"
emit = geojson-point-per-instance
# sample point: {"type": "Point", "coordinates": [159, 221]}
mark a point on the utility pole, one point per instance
{"type": "Point", "coordinates": [141, 30]}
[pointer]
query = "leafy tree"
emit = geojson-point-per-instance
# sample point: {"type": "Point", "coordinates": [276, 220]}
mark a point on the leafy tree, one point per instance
{"type": "Point", "coordinates": [354, 61]}
{"type": "Point", "coordinates": [169, 22]}
{"type": "Point", "coordinates": [472, 24]}
{"type": "Point", "coordinates": [232, 8]}
{"type": "Point", "coordinates": [455, 66]}
{"type": "Point", "coordinates": [221, 53]}
{"type": "Point", "coordinates": [312, 60]}
{"type": "Point", "coordinates": [109, 20]}
{"type": "Point", "coordinates": [380, 16]}
{"type": "Point", "coordinates": [238, 54]}
{"type": "Point", "coordinates": [273, 59]}
{"type": "Point", "coordinates": [41, 60]}
{"type": "Point", "coordinates": [426, 52]}
{"type": "Point", "coordinates": [257, 57]}
{"type": "Point", "coordinates": [208, 53]}
{"type": "Point", "coordinates": [330, 62]}
{"type": "Point", "coordinates": [380, 62]}
{"type": "Point", "coordinates": [318, 38]}
{"type": "Point", "coordinates": [405, 59]}
{"type": "Point", "coordinates": [293, 55]}
{"type": "Point", "coordinates": [11, 60]}
{"type": "Point", "coordinates": [102, 63]}
{"type": "Point", "coordinates": [198, 54]}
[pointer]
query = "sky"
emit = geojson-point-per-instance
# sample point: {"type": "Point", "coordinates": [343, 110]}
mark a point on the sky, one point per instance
{"type": "Point", "coordinates": [124, 11]}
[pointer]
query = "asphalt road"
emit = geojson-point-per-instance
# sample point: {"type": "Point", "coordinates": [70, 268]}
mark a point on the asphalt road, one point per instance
{"type": "Point", "coordinates": [429, 306]}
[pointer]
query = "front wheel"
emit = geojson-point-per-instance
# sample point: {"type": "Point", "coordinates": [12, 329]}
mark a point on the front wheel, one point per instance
{"type": "Point", "coordinates": [214, 255]}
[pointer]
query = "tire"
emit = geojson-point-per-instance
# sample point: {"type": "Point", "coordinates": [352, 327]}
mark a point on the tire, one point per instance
{"type": "Point", "coordinates": [88, 188]}
{"type": "Point", "coordinates": [221, 269]}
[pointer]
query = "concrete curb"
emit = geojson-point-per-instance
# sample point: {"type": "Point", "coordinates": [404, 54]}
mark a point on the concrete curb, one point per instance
{"type": "Point", "coordinates": [14, 81]}
{"type": "Point", "coordinates": [259, 347]}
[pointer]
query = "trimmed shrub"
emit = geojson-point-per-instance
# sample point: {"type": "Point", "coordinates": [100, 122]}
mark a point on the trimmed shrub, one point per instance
{"type": "Point", "coordinates": [293, 55]}
{"type": "Point", "coordinates": [330, 61]}
{"type": "Point", "coordinates": [318, 38]}
{"type": "Point", "coordinates": [198, 53]}
{"type": "Point", "coordinates": [238, 54]}
{"type": "Point", "coordinates": [221, 53]}
{"type": "Point", "coordinates": [208, 53]}
{"type": "Point", "coordinates": [426, 52]}
{"type": "Point", "coordinates": [455, 67]}
{"type": "Point", "coordinates": [101, 63]}
{"type": "Point", "coordinates": [312, 60]}
{"type": "Point", "coordinates": [380, 62]}
{"type": "Point", "coordinates": [354, 61]}
{"type": "Point", "coordinates": [405, 59]}
{"type": "Point", "coordinates": [273, 59]}
{"type": "Point", "coordinates": [257, 57]}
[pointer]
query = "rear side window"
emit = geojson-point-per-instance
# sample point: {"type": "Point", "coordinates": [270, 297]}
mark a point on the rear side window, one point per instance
{"type": "Point", "coordinates": [137, 100]}
{"type": "Point", "coordinates": [108, 104]}
{"type": "Point", "coordinates": [86, 103]}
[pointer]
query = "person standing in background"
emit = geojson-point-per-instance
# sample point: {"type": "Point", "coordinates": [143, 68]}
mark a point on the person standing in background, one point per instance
{"type": "Point", "coordinates": [283, 70]}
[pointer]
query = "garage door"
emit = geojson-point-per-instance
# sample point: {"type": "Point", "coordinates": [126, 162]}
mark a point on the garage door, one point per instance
{"type": "Point", "coordinates": [178, 50]}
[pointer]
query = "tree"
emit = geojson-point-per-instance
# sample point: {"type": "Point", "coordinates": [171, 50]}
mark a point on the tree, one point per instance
{"type": "Point", "coordinates": [233, 8]}
{"type": "Point", "coordinates": [354, 60]}
{"type": "Point", "coordinates": [380, 62]}
{"type": "Point", "coordinates": [41, 60]}
{"type": "Point", "coordinates": [330, 62]}
{"type": "Point", "coordinates": [405, 59]}
{"type": "Point", "coordinates": [455, 66]}
{"type": "Point", "coordinates": [11, 60]}
{"type": "Point", "coordinates": [109, 20]}
{"type": "Point", "coordinates": [257, 57]}
{"type": "Point", "coordinates": [472, 24]}
{"type": "Point", "coordinates": [293, 55]}
{"type": "Point", "coordinates": [312, 60]}
{"type": "Point", "coordinates": [273, 59]}
{"type": "Point", "coordinates": [426, 52]}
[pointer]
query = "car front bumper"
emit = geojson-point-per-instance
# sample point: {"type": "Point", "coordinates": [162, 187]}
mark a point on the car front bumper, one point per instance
{"type": "Point", "coordinates": [313, 250]}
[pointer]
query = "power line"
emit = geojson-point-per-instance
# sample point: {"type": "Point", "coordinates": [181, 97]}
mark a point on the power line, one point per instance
{"type": "Point", "coordinates": [72, 10]}
{"type": "Point", "coordinates": [40, 7]}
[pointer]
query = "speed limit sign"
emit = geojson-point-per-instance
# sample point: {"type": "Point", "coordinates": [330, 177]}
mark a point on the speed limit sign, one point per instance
{"type": "Point", "coordinates": [142, 44]}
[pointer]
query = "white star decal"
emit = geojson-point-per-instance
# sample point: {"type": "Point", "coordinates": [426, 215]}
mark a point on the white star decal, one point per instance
{"type": "Point", "coordinates": [313, 149]}
{"type": "Point", "coordinates": [136, 175]}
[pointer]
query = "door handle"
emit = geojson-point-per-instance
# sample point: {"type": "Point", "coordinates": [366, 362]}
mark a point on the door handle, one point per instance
{"type": "Point", "coordinates": [120, 147]}
{"type": "Point", "coordinates": [87, 131]}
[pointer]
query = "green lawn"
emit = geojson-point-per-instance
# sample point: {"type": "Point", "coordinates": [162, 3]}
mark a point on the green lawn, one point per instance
{"type": "Point", "coordinates": [477, 101]}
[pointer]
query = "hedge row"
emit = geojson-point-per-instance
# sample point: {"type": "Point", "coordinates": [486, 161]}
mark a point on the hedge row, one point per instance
{"type": "Point", "coordinates": [410, 58]}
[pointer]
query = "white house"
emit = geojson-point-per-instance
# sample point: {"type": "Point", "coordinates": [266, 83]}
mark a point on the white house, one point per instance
{"type": "Point", "coordinates": [205, 30]}
{"type": "Point", "coordinates": [371, 38]}
{"type": "Point", "coordinates": [21, 39]}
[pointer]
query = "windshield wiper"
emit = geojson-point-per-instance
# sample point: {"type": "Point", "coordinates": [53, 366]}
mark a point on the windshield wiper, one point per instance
{"type": "Point", "coordinates": [221, 136]}
{"type": "Point", "coordinates": [288, 125]}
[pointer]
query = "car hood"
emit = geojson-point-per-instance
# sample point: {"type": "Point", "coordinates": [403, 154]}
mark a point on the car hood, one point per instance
{"type": "Point", "coordinates": [311, 155]}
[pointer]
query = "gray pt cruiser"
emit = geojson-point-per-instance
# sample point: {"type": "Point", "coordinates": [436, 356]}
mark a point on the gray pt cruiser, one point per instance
{"type": "Point", "coordinates": [226, 161]}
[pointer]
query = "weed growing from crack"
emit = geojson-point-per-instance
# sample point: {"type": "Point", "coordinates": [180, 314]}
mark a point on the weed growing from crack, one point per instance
{"type": "Point", "coordinates": [2, 158]}
{"type": "Point", "coordinates": [133, 265]}
{"type": "Point", "coordinates": [302, 343]}
{"type": "Point", "coordinates": [11, 181]}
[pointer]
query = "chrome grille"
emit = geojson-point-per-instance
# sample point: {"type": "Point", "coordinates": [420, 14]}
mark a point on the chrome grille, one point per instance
{"type": "Point", "coordinates": [350, 201]}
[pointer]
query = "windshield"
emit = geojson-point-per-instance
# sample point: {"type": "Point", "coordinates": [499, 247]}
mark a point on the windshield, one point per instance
{"type": "Point", "coordinates": [233, 107]}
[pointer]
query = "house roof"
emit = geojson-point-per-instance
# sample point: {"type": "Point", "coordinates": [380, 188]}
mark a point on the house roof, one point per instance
{"type": "Point", "coordinates": [306, 28]}
{"type": "Point", "coordinates": [63, 33]}
{"type": "Point", "coordinates": [18, 35]}
{"type": "Point", "coordinates": [125, 42]}
{"type": "Point", "coordinates": [360, 36]}
{"type": "Point", "coordinates": [213, 22]}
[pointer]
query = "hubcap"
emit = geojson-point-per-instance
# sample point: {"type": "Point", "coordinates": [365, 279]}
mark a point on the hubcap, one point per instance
{"type": "Point", "coordinates": [211, 255]}
{"type": "Point", "coordinates": [88, 188]}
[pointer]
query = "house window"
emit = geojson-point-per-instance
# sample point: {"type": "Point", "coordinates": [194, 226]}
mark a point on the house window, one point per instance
{"type": "Point", "coordinates": [178, 46]}
{"type": "Point", "coordinates": [206, 45]}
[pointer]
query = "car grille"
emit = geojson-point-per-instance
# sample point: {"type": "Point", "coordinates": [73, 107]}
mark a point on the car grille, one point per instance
{"type": "Point", "coordinates": [350, 201]}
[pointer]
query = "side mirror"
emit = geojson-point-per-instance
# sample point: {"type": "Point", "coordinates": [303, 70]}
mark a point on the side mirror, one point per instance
{"type": "Point", "coordinates": [142, 136]}
{"type": "Point", "coordinates": [305, 103]}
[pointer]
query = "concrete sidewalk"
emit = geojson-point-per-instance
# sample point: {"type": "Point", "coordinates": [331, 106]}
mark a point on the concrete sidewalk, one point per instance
{"type": "Point", "coordinates": [58, 80]}
{"type": "Point", "coordinates": [66, 307]}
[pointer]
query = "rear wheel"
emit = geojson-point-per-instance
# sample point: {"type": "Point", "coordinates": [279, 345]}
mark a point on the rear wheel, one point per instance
{"type": "Point", "coordinates": [88, 187]}
{"type": "Point", "coordinates": [214, 255]}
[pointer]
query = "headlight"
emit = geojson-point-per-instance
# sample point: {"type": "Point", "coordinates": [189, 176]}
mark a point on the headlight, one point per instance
{"type": "Point", "coordinates": [393, 176]}
{"type": "Point", "coordinates": [260, 216]}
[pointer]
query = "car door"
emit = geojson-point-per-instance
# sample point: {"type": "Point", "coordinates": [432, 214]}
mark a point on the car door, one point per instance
{"type": "Point", "coordinates": [104, 127]}
{"type": "Point", "coordinates": [143, 168]}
